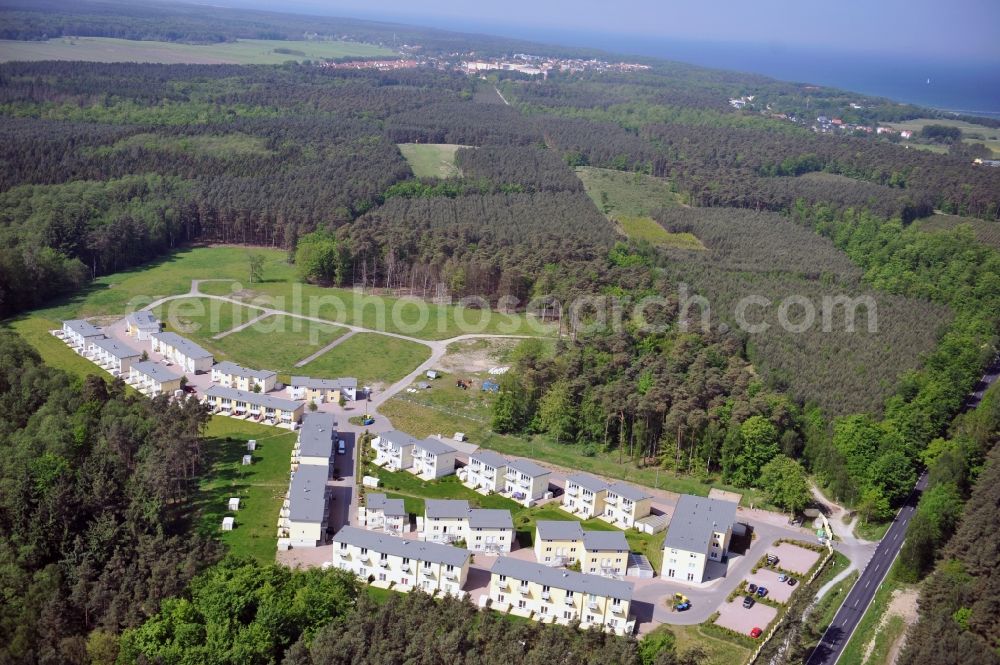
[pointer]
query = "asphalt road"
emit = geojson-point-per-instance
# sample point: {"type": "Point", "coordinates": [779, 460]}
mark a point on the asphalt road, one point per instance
{"type": "Point", "coordinates": [835, 638]}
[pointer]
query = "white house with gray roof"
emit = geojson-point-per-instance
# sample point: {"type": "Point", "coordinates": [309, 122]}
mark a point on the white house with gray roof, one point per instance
{"type": "Point", "coordinates": [152, 379]}
{"type": "Point", "coordinates": [485, 472]}
{"type": "Point", "coordinates": [394, 450]}
{"type": "Point", "coordinates": [432, 458]}
{"type": "Point", "coordinates": [182, 351]}
{"type": "Point", "coordinates": [231, 375]}
{"type": "Point", "coordinates": [401, 563]}
{"type": "Point", "coordinates": [526, 482]}
{"type": "Point", "coordinates": [605, 553]}
{"type": "Point", "coordinates": [558, 542]}
{"type": "Point", "coordinates": [557, 595]}
{"type": "Point", "coordinates": [381, 513]}
{"type": "Point", "coordinates": [584, 495]}
{"type": "Point", "coordinates": [260, 407]}
{"type": "Point", "coordinates": [482, 529]}
{"type": "Point", "coordinates": [142, 325]}
{"type": "Point", "coordinates": [79, 333]}
{"type": "Point", "coordinates": [304, 515]}
{"type": "Point", "coordinates": [624, 504]}
{"type": "Point", "coordinates": [699, 532]}
{"type": "Point", "coordinates": [112, 355]}
{"type": "Point", "coordinates": [323, 390]}
{"type": "Point", "coordinates": [314, 444]}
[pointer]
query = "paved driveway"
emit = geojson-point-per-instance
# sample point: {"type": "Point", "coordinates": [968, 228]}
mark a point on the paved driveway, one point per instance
{"type": "Point", "coordinates": [779, 591]}
{"type": "Point", "coordinates": [734, 616]}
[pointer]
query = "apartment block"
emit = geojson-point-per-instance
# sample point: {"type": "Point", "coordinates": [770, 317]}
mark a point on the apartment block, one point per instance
{"type": "Point", "coordinates": [142, 325]}
{"type": "Point", "coordinates": [526, 482]}
{"type": "Point", "coordinates": [482, 529]}
{"type": "Point", "coordinates": [381, 513]}
{"type": "Point", "coordinates": [153, 379]}
{"type": "Point", "coordinates": [394, 450]}
{"type": "Point", "coordinates": [185, 353]}
{"type": "Point", "coordinates": [624, 504]}
{"type": "Point", "coordinates": [432, 459]}
{"type": "Point", "coordinates": [554, 595]}
{"type": "Point", "coordinates": [315, 441]}
{"type": "Point", "coordinates": [699, 532]}
{"type": "Point", "coordinates": [605, 553]}
{"type": "Point", "coordinates": [558, 542]}
{"type": "Point", "coordinates": [236, 376]}
{"type": "Point", "coordinates": [406, 564]}
{"type": "Point", "coordinates": [112, 355]}
{"type": "Point", "coordinates": [323, 390]}
{"type": "Point", "coordinates": [306, 509]}
{"type": "Point", "coordinates": [584, 495]}
{"type": "Point", "coordinates": [485, 471]}
{"type": "Point", "coordinates": [259, 407]}
{"type": "Point", "coordinates": [78, 334]}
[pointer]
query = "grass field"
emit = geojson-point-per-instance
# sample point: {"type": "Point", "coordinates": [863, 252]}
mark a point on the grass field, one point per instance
{"type": "Point", "coordinates": [241, 52]}
{"type": "Point", "coordinates": [370, 357]}
{"type": "Point", "coordinates": [203, 318]}
{"type": "Point", "coordinates": [406, 316]}
{"type": "Point", "coordinates": [431, 160]}
{"type": "Point", "coordinates": [260, 487]}
{"type": "Point", "coordinates": [422, 420]}
{"type": "Point", "coordinates": [717, 651]}
{"type": "Point", "coordinates": [971, 133]}
{"type": "Point", "coordinates": [628, 199]}
{"type": "Point", "coordinates": [986, 232]}
{"type": "Point", "coordinates": [276, 343]}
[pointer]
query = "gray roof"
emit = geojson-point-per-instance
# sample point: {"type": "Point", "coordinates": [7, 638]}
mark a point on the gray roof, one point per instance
{"type": "Point", "coordinates": [323, 384]}
{"type": "Point", "coordinates": [490, 518]}
{"type": "Point", "coordinates": [389, 507]}
{"type": "Point", "coordinates": [629, 491]}
{"type": "Point", "coordinates": [446, 508]}
{"type": "Point", "coordinates": [434, 447]}
{"type": "Point", "coordinates": [559, 530]}
{"type": "Point", "coordinates": [489, 458]}
{"type": "Point", "coordinates": [155, 371]}
{"type": "Point", "coordinates": [527, 467]}
{"type": "Point", "coordinates": [183, 345]}
{"type": "Point", "coordinates": [397, 439]}
{"type": "Point", "coordinates": [144, 319]}
{"type": "Point", "coordinates": [605, 540]}
{"type": "Point", "coordinates": [83, 328]}
{"type": "Point", "coordinates": [317, 434]}
{"type": "Point", "coordinates": [227, 367]}
{"type": "Point", "coordinates": [260, 399]}
{"type": "Point", "coordinates": [115, 348]}
{"type": "Point", "coordinates": [587, 482]}
{"type": "Point", "coordinates": [403, 547]}
{"type": "Point", "coordinates": [695, 519]}
{"type": "Point", "coordinates": [307, 493]}
{"type": "Point", "coordinates": [562, 579]}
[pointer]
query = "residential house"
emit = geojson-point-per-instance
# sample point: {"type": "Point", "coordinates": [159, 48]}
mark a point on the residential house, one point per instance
{"type": "Point", "coordinates": [605, 553]}
{"type": "Point", "coordinates": [112, 355]}
{"type": "Point", "coordinates": [482, 529]}
{"type": "Point", "coordinates": [527, 482]}
{"type": "Point", "coordinates": [306, 509]}
{"type": "Point", "coordinates": [323, 390]}
{"type": "Point", "coordinates": [182, 351]}
{"type": "Point", "coordinates": [699, 532]}
{"type": "Point", "coordinates": [153, 379]}
{"type": "Point", "coordinates": [315, 441]}
{"type": "Point", "coordinates": [236, 376]}
{"type": "Point", "coordinates": [485, 471]}
{"type": "Point", "coordinates": [432, 459]}
{"type": "Point", "coordinates": [624, 504]}
{"type": "Point", "coordinates": [142, 325]}
{"type": "Point", "coordinates": [79, 334]}
{"type": "Point", "coordinates": [381, 513]}
{"type": "Point", "coordinates": [584, 495]}
{"type": "Point", "coordinates": [558, 542]}
{"type": "Point", "coordinates": [404, 563]}
{"type": "Point", "coordinates": [394, 450]}
{"type": "Point", "coordinates": [260, 407]}
{"type": "Point", "coordinates": [562, 596]}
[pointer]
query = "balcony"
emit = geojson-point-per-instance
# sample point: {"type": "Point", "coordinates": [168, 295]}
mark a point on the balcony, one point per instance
{"type": "Point", "coordinates": [451, 575]}
{"type": "Point", "coordinates": [384, 563]}
{"type": "Point", "coordinates": [568, 600]}
{"type": "Point", "coordinates": [571, 490]}
{"type": "Point", "coordinates": [427, 572]}
{"type": "Point", "coordinates": [618, 609]}
{"type": "Point", "coordinates": [487, 474]}
{"type": "Point", "coordinates": [510, 475]}
{"type": "Point", "coordinates": [405, 568]}
{"type": "Point", "coordinates": [546, 595]}
{"type": "Point", "coordinates": [504, 585]}
{"type": "Point", "coordinates": [611, 500]}
{"type": "Point", "coordinates": [594, 606]}
{"type": "Point", "coordinates": [524, 589]}
{"type": "Point", "coordinates": [344, 554]}
{"type": "Point", "coordinates": [365, 558]}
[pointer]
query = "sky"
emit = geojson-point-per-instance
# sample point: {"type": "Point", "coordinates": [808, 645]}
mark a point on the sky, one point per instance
{"type": "Point", "coordinates": [923, 28]}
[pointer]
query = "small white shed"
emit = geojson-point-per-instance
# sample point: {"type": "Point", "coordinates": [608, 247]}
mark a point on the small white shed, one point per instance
{"type": "Point", "coordinates": [228, 523]}
{"type": "Point", "coordinates": [247, 460]}
{"type": "Point", "coordinates": [431, 374]}
{"type": "Point", "coordinates": [460, 436]}
{"type": "Point", "coordinates": [252, 445]}
{"type": "Point", "coordinates": [234, 503]}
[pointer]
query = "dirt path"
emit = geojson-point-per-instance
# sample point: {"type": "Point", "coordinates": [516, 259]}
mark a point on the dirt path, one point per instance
{"type": "Point", "coordinates": [904, 605]}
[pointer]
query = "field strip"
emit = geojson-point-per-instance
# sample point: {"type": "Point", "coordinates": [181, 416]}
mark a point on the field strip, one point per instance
{"type": "Point", "coordinates": [241, 326]}
{"type": "Point", "coordinates": [326, 348]}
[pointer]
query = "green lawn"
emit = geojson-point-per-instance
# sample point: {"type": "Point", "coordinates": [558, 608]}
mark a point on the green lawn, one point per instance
{"type": "Point", "coordinates": [646, 228]}
{"type": "Point", "coordinates": [203, 318]}
{"type": "Point", "coordinates": [406, 316]}
{"type": "Point", "coordinates": [276, 342]}
{"type": "Point", "coordinates": [370, 357]}
{"type": "Point", "coordinates": [241, 52]}
{"type": "Point", "coordinates": [431, 160]}
{"type": "Point", "coordinates": [55, 353]}
{"type": "Point", "coordinates": [717, 651]}
{"type": "Point", "coordinates": [421, 420]}
{"type": "Point", "coordinates": [260, 486]}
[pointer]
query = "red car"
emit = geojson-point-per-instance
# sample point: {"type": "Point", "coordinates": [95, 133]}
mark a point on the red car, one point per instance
{"type": "Point", "coordinates": [755, 632]}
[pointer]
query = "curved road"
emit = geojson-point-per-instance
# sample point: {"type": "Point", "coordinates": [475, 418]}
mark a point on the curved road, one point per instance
{"type": "Point", "coordinates": [839, 633]}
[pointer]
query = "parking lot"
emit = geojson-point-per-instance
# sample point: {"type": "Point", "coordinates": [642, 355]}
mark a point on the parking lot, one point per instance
{"type": "Point", "coordinates": [778, 591]}
{"type": "Point", "coordinates": [794, 558]}
{"type": "Point", "coordinates": [734, 616]}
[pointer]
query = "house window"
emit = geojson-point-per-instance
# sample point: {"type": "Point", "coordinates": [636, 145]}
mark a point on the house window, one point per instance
{"type": "Point", "coordinates": [569, 595]}
{"type": "Point", "coordinates": [522, 603]}
{"type": "Point", "coordinates": [364, 550]}
{"type": "Point", "coordinates": [690, 577]}
{"type": "Point", "coordinates": [406, 561]}
{"type": "Point", "coordinates": [450, 568]}
{"type": "Point", "coordinates": [427, 564]}
{"type": "Point", "coordinates": [546, 588]}
{"type": "Point", "coordinates": [671, 573]}
{"type": "Point", "coordinates": [381, 577]}
{"type": "Point", "coordinates": [567, 614]}
{"type": "Point", "coordinates": [548, 549]}
{"type": "Point", "coordinates": [405, 580]}
{"type": "Point", "coordinates": [384, 557]}
{"type": "Point", "coordinates": [616, 602]}
{"type": "Point", "coordinates": [343, 546]}
{"type": "Point", "coordinates": [544, 610]}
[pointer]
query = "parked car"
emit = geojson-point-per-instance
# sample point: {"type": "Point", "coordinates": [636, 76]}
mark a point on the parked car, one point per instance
{"type": "Point", "coordinates": [752, 588]}
{"type": "Point", "coordinates": [792, 581]}
{"type": "Point", "coordinates": [367, 420]}
{"type": "Point", "coordinates": [748, 602]}
{"type": "Point", "coordinates": [772, 560]}
{"type": "Point", "coordinates": [761, 591]}
{"type": "Point", "coordinates": [680, 598]}
{"type": "Point", "coordinates": [680, 607]}
{"type": "Point", "coordinates": [755, 632]}
{"type": "Point", "coordinates": [341, 449]}
{"type": "Point", "coordinates": [782, 577]}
